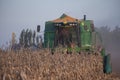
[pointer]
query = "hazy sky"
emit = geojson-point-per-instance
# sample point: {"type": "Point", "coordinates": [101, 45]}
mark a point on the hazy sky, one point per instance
{"type": "Point", "coordinates": [16, 15]}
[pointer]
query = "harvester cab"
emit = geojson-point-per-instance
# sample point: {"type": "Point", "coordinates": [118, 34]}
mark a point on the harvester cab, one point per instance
{"type": "Point", "coordinates": [67, 30]}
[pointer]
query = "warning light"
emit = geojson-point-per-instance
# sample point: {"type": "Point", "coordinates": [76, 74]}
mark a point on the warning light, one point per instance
{"type": "Point", "coordinates": [65, 22]}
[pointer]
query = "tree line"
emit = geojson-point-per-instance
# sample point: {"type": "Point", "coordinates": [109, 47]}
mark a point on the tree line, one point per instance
{"type": "Point", "coordinates": [110, 37]}
{"type": "Point", "coordinates": [29, 38]}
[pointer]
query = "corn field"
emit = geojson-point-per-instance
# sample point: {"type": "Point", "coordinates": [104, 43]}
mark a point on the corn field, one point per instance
{"type": "Point", "coordinates": [42, 65]}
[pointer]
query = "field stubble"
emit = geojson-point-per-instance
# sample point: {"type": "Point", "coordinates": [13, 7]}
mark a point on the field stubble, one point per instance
{"type": "Point", "coordinates": [41, 65]}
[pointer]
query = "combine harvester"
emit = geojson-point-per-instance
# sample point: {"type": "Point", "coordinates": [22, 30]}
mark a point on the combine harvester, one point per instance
{"type": "Point", "coordinates": [67, 31]}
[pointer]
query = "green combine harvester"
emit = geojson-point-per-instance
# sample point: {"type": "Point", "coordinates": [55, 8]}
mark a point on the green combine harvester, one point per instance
{"type": "Point", "coordinates": [74, 34]}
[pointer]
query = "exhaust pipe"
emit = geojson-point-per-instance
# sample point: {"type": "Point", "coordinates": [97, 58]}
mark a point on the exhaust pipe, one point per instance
{"type": "Point", "coordinates": [84, 17]}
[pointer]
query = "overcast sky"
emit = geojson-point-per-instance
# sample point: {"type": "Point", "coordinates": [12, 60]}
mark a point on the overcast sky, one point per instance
{"type": "Point", "coordinates": [16, 15]}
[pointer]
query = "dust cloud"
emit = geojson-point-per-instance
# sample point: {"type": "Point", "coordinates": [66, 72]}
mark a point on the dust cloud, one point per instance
{"type": "Point", "coordinates": [111, 42]}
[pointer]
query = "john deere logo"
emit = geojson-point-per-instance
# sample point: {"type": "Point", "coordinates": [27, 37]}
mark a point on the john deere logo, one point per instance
{"type": "Point", "coordinates": [82, 23]}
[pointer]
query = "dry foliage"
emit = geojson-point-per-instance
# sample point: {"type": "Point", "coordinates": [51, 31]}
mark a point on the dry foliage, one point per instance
{"type": "Point", "coordinates": [41, 65]}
